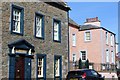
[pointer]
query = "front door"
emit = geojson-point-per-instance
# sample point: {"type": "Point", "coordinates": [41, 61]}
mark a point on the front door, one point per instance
{"type": "Point", "coordinates": [19, 67]}
{"type": "Point", "coordinates": [20, 60]}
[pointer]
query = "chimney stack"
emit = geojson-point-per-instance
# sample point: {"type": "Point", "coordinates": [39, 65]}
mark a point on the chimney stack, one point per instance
{"type": "Point", "coordinates": [92, 21]}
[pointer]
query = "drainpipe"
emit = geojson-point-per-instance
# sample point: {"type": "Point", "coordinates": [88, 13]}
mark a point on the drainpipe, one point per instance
{"type": "Point", "coordinates": [118, 27]}
{"type": "Point", "coordinates": [68, 44]}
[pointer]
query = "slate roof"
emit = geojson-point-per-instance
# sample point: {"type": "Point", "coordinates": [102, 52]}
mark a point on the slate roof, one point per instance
{"type": "Point", "coordinates": [73, 22]}
{"type": "Point", "coordinates": [89, 27]}
{"type": "Point", "coordinates": [59, 3]}
{"type": "Point", "coordinates": [84, 27]}
{"type": "Point", "coordinates": [62, 3]}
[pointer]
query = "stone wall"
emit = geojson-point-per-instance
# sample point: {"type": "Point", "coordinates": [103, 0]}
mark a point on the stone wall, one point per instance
{"type": "Point", "coordinates": [46, 46]}
{"type": "Point", "coordinates": [0, 41]}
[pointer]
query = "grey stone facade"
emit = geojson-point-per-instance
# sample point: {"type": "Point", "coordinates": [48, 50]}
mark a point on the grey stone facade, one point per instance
{"type": "Point", "coordinates": [46, 46]}
{"type": "Point", "coordinates": [1, 41]}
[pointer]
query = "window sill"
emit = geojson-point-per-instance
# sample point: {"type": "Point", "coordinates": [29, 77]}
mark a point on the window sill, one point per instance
{"type": "Point", "coordinates": [57, 76]}
{"type": "Point", "coordinates": [57, 41]}
{"type": "Point", "coordinates": [87, 40]}
{"type": "Point", "coordinates": [40, 77]}
{"type": "Point", "coordinates": [107, 44]}
{"type": "Point", "coordinates": [17, 33]}
{"type": "Point", "coordinates": [74, 46]}
{"type": "Point", "coordinates": [83, 60]}
{"type": "Point", "coordinates": [39, 37]}
{"type": "Point", "coordinates": [111, 45]}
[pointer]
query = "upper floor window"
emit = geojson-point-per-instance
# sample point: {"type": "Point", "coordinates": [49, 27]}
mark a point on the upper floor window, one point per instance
{"type": "Point", "coordinates": [74, 39]}
{"type": "Point", "coordinates": [17, 19]}
{"type": "Point", "coordinates": [111, 39]}
{"type": "Point", "coordinates": [74, 57]}
{"type": "Point", "coordinates": [87, 36]}
{"type": "Point", "coordinates": [106, 37]}
{"type": "Point", "coordinates": [83, 56]}
{"type": "Point", "coordinates": [107, 56]}
{"type": "Point", "coordinates": [56, 30]}
{"type": "Point", "coordinates": [39, 25]}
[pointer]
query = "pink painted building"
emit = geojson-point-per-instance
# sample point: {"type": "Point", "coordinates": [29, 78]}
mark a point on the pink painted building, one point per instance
{"type": "Point", "coordinates": [93, 42]}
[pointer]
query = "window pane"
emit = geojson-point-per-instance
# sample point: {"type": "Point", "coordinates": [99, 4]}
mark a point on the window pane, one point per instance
{"type": "Point", "coordinates": [57, 67]}
{"type": "Point", "coordinates": [83, 55]}
{"type": "Point", "coordinates": [16, 20]}
{"type": "Point", "coordinates": [74, 57]}
{"type": "Point", "coordinates": [87, 35]}
{"type": "Point", "coordinates": [56, 31]}
{"type": "Point", "coordinates": [74, 39]}
{"type": "Point", "coordinates": [113, 57]}
{"type": "Point", "coordinates": [38, 26]}
{"type": "Point", "coordinates": [111, 39]}
{"type": "Point", "coordinates": [107, 56]}
{"type": "Point", "coordinates": [40, 67]}
{"type": "Point", "coordinates": [106, 37]}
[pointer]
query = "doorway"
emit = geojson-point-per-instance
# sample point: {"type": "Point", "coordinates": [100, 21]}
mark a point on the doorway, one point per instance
{"type": "Point", "coordinates": [20, 56]}
{"type": "Point", "coordinates": [19, 67]}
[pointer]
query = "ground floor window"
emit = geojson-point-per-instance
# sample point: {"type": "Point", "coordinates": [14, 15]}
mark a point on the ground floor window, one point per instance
{"type": "Point", "coordinates": [57, 67]}
{"type": "Point", "coordinates": [41, 66]}
{"type": "Point", "coordinates": [91, 65]}
{"type": "Point", "coordinates": [83, 55]}
{"type": "Point", "coordinates": [74, 57]}
{"type": "Point", "coordinates": [103, 67]}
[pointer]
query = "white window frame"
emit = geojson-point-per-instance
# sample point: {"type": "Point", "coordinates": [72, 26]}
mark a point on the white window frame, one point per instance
{"type": "Point", "coordinates": [74, 57]}
{"type": "Point", "coordinates": [57, 67]}
{"type": "Point", "coordinates": [39, 26]}
{"type": "Point", "coordinates": [103, 67]}
{"type": "Point", "coordinates": [111, 38]}
{"type": "Point", "coordinates": [113, 57]}
{"type": "Point", "coordinates": [16, 20]}
{"type": "Point", "coordinates": [74, 39]}
{"type": "Point", "coordinates": [106, 36]}
{"type": "Point", "coordinates": [56, 30]}
{"type": "Point", "coordinates": [85, 35]}
{"type": "Point", "coordinates": [81, 55]}
{"type": "Point", "coordinates": [107, 56]}
{"type": "Point", "coordinates": [41, 75]}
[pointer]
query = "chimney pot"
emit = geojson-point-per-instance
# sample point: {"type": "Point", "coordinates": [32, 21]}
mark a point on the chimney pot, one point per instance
{"type": "Point", "coordinates": [93, 21]}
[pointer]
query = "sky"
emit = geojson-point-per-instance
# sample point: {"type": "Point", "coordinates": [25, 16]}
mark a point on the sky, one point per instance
{"type": "Point", "coordinates": [91, 0]}
{"type": "Point", "coordinates": [107, 13]}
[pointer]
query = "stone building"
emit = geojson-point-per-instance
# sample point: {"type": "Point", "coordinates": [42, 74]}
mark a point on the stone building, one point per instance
{"type": "Point", "coordinates": [34, 40]}
{"type": "Point", "coordinates": [93, 42]}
